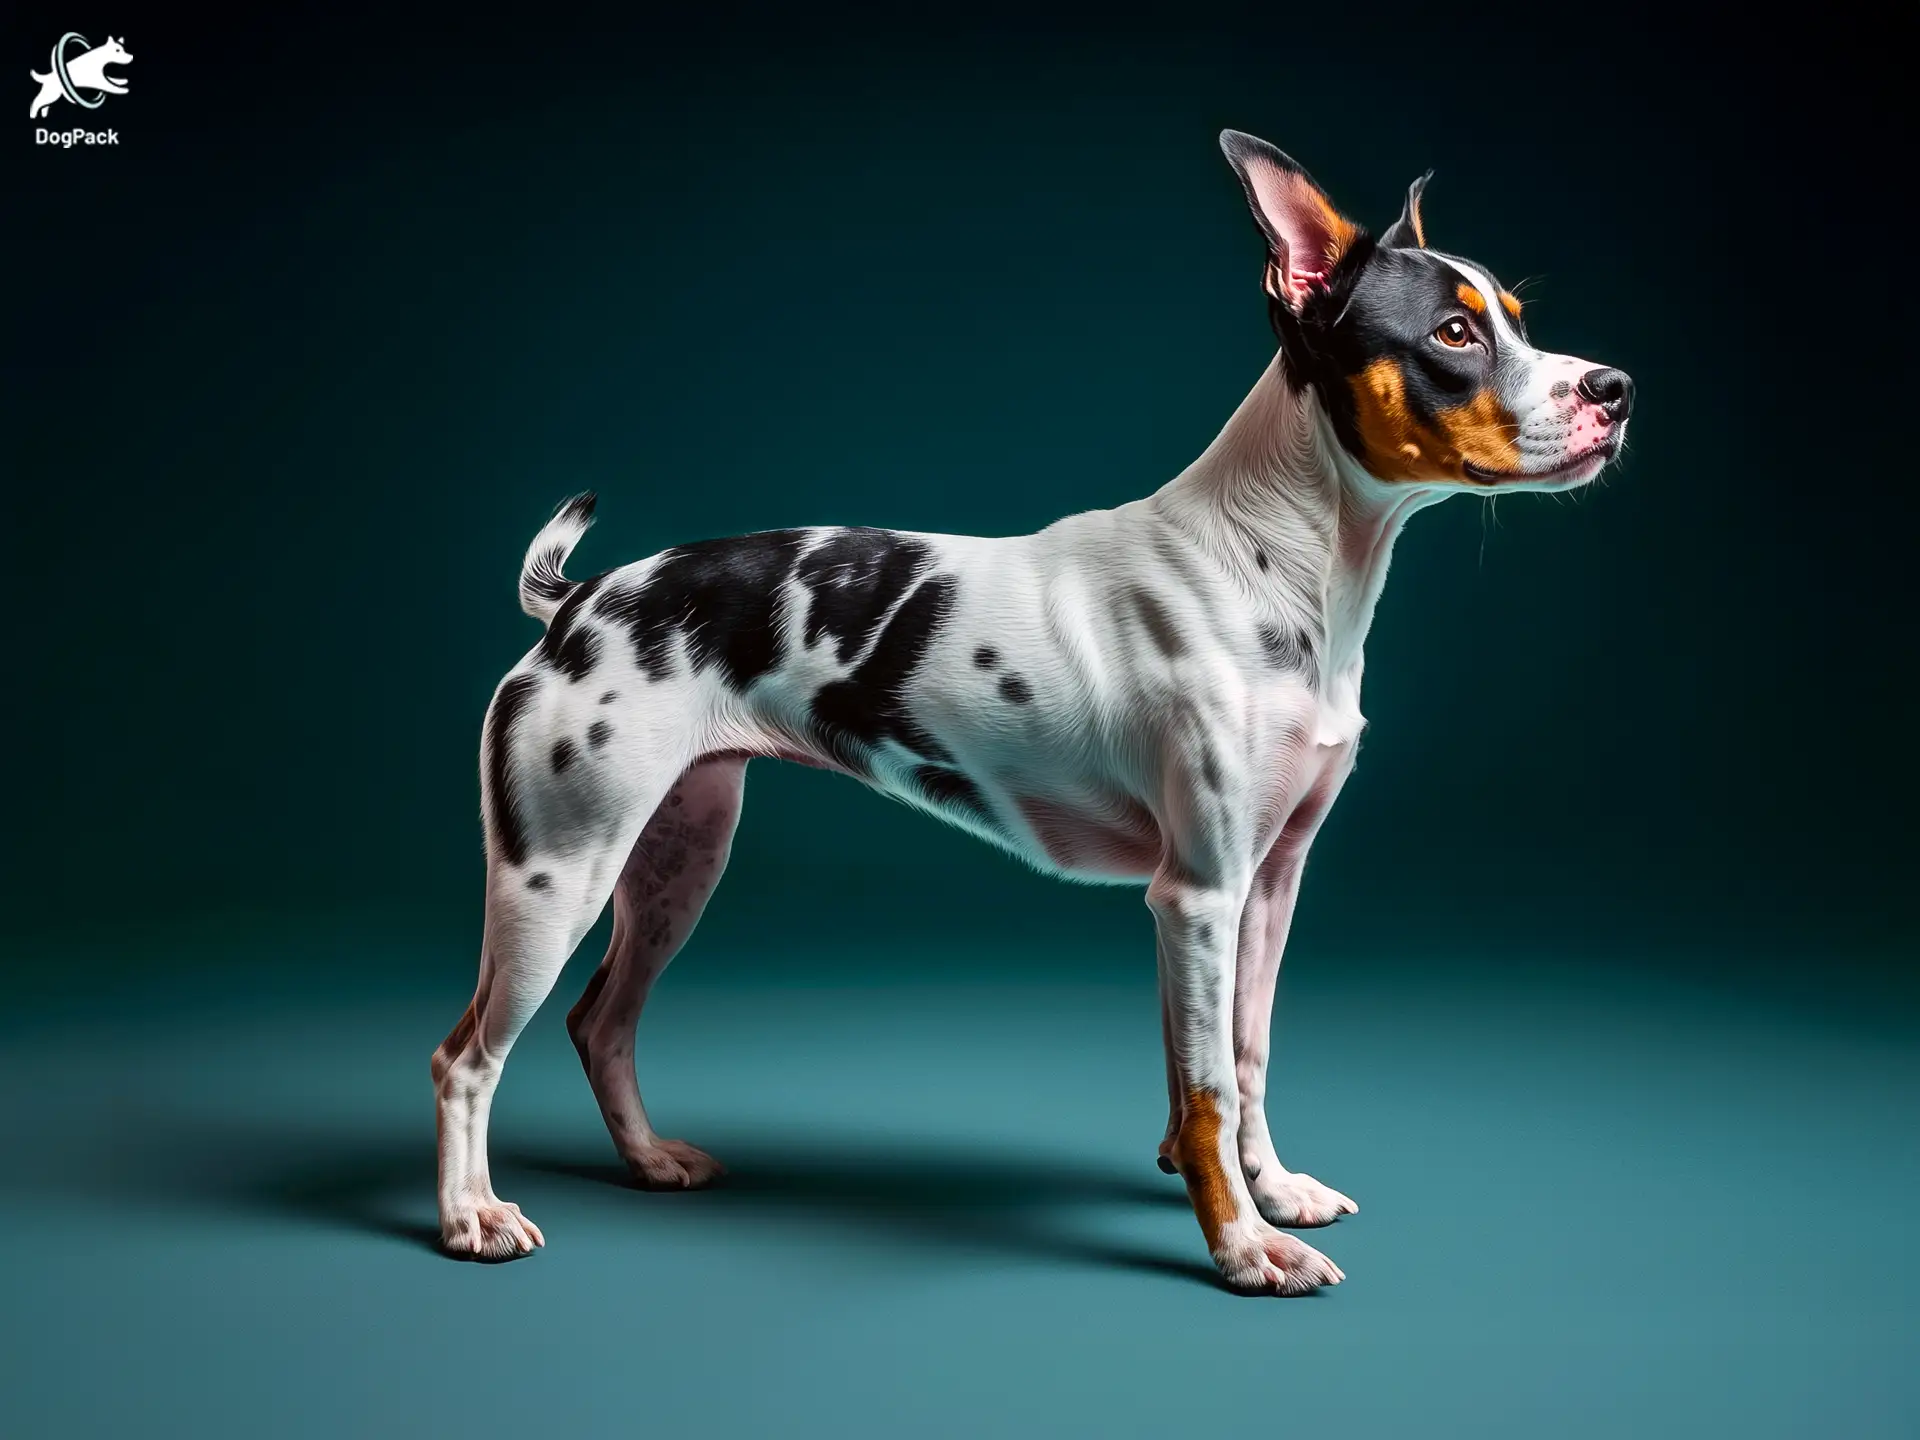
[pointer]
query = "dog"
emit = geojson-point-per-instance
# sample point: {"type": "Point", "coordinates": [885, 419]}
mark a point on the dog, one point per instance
{"type": "Point", "coordinates": [1165, 693]}
{"type": "Point", "coordinates": [86, 71]}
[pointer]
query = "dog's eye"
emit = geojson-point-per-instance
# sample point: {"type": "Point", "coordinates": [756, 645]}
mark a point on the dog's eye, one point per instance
{"type": "Point", "coordinates": [1454, 333]}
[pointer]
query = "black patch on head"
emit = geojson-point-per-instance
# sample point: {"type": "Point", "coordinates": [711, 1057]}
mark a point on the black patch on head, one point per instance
{"type": "Point", "coordinates": [950, 787]}
{"type": "Point", "coordinates": [722, 596]}
{"type": "Point", "coordinates": [986, 657]}
{"type": "Point", "coordinates": [1015, 690]}
{"type": "Point", "coordinates": [540, 881]}
{"type": "Point", "coordinates": [854, 578]}
{"type": "Point", "coordinates": [1159, 625]}
{"type": "Point", "coordinates": [508, 831]}
{"type": "Point", "coordinates": [1305, 337]}
{"type": "Point", "coordinates": [599, 733]}
{"type": "Point", "coordinates": [869, 706]}
{"type": "Point", "coordinates": [1387, 302]}
{"type": "Point", "coordinates": [564, 754]}
{"type": "Point", "coordinates": [609, 697]}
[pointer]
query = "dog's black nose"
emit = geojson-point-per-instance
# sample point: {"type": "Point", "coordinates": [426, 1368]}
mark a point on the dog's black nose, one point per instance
{"type": "Point", "coordinates": [1611, 390]}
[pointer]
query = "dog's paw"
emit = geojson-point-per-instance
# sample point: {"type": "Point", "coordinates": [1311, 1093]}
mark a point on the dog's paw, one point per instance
{"type": "Point", "coordinates": [1297, 1201]}
{"type": "Point", "coordinates": [673, 1165]}
{"type": "Point", "coordinates": [489, 1230]}
{"type": "Point", "coordinates": [1256, 1259]}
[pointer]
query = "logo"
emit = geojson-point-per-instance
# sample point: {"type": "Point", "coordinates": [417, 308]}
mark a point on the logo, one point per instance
{"type": "Point", "coordinates": [76, 67]}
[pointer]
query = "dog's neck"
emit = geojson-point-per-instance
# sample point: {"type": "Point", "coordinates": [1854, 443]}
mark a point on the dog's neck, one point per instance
{"type": "Point", "coordinates": [1278, 500]}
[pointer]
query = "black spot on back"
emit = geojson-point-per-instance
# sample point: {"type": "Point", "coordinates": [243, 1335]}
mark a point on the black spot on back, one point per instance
{"type": "Point", "coordinates": [599, 733]}
{"type": "Point", "coordinates": [609, 697]}
{"type": "Point", "coordinates": [564, 754]}
{"type": "Point", "coordinates": [577, 653]}
{"type": "Point", "coordinates": [1016, 690]}
{"type": "Point", "coordinates": [854, 578]}
{"type": "Point", "coordinates": [986, 657]}
{"type": "Point", "coordinates": [869, 706]}
{"type": "Point", "coordinates": [508, 705]}
{"type": "Point", "coordinates": [722, 596]}
{"type": "Point", "coordinates": [1159, 624]}
{"type": "Point", "coordinates": [569, 646]}
{"type": "Point", "coordinates": [1260, 559]}
{"type": "Point", "coordinates": [950, 787]}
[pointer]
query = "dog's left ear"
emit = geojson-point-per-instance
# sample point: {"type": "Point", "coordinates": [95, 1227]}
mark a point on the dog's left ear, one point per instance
{"type": "Point", "coordinates": [1408, 233]}
{"type": "Point", "coordinates": [1306, 235]}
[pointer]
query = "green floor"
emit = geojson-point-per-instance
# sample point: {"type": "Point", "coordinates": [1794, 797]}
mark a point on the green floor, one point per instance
{"type": "Point", "coordinates": [1593, 1202]}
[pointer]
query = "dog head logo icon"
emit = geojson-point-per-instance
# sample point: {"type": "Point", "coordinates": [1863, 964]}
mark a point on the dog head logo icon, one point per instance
{"type": "Point", "coordinates": [70, 73]}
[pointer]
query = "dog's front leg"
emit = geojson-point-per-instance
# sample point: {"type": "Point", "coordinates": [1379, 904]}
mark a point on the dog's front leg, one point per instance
{"type": "Point", "coordinates": [1197, 910]}
{"type": "Point", "coordinates": [1283, 1197]}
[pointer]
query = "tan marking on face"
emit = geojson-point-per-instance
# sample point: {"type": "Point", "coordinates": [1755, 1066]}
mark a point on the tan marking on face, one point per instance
{"type": "Point", "coordinates": [1481, 433]}
{"type": "Point", "coordinates": [1510, 302]}
{"type": "Point", "coordinates": [1197, 1155]}
{"type": "Point", "coordinates": [1397, 445]}
{"type": "Point", "coordinates": [1471, 298]}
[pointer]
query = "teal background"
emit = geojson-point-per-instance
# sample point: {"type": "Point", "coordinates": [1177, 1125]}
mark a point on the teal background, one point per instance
{"type": "Point", "coordinates": [1600, 1000]}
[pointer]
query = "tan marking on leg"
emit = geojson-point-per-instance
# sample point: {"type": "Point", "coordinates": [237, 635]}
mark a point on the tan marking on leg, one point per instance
{"type": "Point", "coordinates": [1197, 1153]}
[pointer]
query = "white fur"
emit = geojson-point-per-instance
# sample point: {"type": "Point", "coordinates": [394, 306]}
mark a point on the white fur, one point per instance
{"type": "Point", "coordinates": [1161, 742]}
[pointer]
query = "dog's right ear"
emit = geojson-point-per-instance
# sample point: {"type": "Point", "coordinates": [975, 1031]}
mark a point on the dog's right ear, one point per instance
{"type": "Point", "coordinates": [1306, 235]}
{"type": "Point", "coordinates": [1409, 232]}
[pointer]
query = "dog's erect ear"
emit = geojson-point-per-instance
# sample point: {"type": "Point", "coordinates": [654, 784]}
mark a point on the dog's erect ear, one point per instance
{"type": "Point", "coordinates": [1306, 235]}
{"type": "Point", "coordinates": [1408, 233]}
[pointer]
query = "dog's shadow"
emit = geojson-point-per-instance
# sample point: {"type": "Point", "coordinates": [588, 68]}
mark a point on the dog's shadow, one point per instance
{"type": "Point", "coordinates": [953, 1197]}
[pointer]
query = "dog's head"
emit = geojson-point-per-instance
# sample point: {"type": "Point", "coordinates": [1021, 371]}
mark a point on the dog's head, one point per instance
{"type": "Point", "coordinates": [113, 52]}
{"type": "Point", "coordinates": [1420, 358]}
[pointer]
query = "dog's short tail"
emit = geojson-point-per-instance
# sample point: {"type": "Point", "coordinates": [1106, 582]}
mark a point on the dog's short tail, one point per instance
{"type": "Point", "coordinates": [542, 585]}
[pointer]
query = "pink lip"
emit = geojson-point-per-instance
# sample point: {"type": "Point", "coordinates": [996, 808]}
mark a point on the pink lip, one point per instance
{"type": "Point", "coordinates": [1602, 452]}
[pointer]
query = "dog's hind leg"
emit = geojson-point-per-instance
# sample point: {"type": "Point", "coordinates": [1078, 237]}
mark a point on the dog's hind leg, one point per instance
{"type": "Point", "coordinates": [555, 846]}
{"type": "Point", "coordinates": [661, 894]}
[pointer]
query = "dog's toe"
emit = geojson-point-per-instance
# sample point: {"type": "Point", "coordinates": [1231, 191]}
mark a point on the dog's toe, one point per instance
{"type": "Point", "coordinates": [494, 1230]}
{"type": "Point", "coordinates": [674, 1165]}
{"type": "Point", "coordinates": [1259, 1260]}
{"type": "Point", "coordinates": [1299, 1201]}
